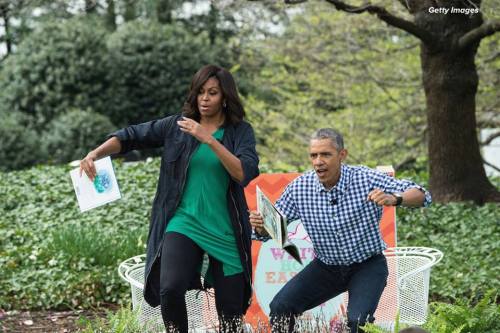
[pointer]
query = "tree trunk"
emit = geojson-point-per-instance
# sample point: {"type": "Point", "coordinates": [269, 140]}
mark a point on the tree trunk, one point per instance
{"type": "Point", "coordinates": [4, 13]}
{"type": "Point", "coordinates": [111, 15]}
{"type": "Point", "coordinates": [450, 81]}
{"type": "Point", "coordinates": [164, 11]}
{"type": "Point", "coordinates": [90, 6]}
{"type": "Point", "coordinates": [130, 11]}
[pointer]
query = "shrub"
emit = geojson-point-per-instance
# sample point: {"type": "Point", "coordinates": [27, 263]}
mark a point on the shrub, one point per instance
{"type": "Point", "coordinates": [463, 317]}
{"type": "Point", "coordinates": [59, 66]}
{"type": "Point", "coordinates": [466, 235]}
{"type": "Point", "coordinates": [19, 142]}
{"type": "Point", "coordinates": [53, 256]}
{"type": "Point", "coordinates": [73, 134]}
{"type": "Point", "coordinates": [151, 66]}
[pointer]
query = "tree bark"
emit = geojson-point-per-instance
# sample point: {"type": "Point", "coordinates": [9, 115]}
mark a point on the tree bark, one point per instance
{"type": "Point", "coordinates": [90, 6]}
{"type": "Point", "coordinates": [456, 168]}
{"type": "Point", "coordinates": [450, 82]}
{"type": "Point", "coordinates": [4, 13]}
{"type": "Point", "coordinates": [448, 50]}
{"type": "Point", "coordinates": [111, 15]}
{"type": "Point", "coordinates": [130, 11]}
{"type": "Point", "coordinates": [164, 11]}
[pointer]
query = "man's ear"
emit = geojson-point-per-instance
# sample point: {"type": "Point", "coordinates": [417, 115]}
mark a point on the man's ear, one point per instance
{"type": "Point", "coordinates": [343, 155]}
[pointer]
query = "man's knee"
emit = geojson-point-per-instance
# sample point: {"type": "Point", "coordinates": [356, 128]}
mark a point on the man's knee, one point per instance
{"type": "Point", "coordinates": [280, 306]}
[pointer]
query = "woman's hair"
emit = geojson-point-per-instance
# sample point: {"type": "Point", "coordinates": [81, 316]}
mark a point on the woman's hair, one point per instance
{"type": "Point", "coordinates": [233, 110]}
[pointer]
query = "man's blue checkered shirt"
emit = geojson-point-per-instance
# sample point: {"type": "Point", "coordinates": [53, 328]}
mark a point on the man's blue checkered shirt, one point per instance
{"type": "Point", "coordinates": [342, 224]}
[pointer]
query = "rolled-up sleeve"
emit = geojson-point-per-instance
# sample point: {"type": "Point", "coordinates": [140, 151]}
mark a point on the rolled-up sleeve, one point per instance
{"type": "Point", "coordinates": [390, 184]}
{"type": "Point", "coordinates": [146, 135]}
{"type": "Point", "coordinates": [247, 154]}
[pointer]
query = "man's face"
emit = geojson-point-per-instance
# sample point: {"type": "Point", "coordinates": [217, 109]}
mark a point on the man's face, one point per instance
{"type": "Point", "coordinates": [326, 161]}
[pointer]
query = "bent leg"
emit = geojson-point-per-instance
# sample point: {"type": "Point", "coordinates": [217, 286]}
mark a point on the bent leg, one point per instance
{"type": "Point", "coordinates": [366, 285]}
{"type": "Point", "coordinates": [314, 285]}
{"type": "Point", "coordinates": [180, 260]}
{"type": "Point", "coordinates": [229, 298]}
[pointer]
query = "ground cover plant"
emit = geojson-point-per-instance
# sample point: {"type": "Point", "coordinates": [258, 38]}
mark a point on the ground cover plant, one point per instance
{"type": "Point", "coordinates": [54, 257]}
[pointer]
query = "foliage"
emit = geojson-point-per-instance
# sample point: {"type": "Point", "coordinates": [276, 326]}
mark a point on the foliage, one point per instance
{"type": "Point", "coordinates": [320, 73]}
{"type": "Point", "coordinates": [151, 66]}
{"type": "Point", "coordinates": [372, 328]}
{"type": "Point", "coordinates": [123, 321]}
{"type": "Point", "coordinates": [19, 142]}
{"type": "Point", "coordinates": [58, 67]}
{"type": "Point", "coordinates": [73, 134]}
{"type": "Point", "coordinates": [53, 256]}
{"type": "Point", "coordinates": [460, 317]}
{"type": "Point", "coordinates": [461, 231]}
{"type": "Point", "coordinates": [350, 72]}
{"type": "Point", "coordinates": [463, 317]}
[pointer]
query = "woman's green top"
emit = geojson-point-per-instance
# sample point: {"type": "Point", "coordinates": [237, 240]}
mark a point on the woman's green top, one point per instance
{"type": "Point", "coordinates": [202, 214]}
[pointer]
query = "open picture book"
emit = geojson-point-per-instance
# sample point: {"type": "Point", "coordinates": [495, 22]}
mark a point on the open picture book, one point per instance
{"type": "Point", "coordinates": [276, 224]}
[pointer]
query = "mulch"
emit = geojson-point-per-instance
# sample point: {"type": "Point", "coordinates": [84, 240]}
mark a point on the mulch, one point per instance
{"type": "Point", "coordinates": [48, 321]}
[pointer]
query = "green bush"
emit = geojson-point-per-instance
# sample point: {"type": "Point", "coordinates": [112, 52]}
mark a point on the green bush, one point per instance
{"type": "Point", "coordinates": [151, 67]}
{"type": "Point", "coordinates": [463, 317]}
{"type": "Point", "coordinates": [466, 235]}
{"type": "Point", "coordinates": [60, 66]}
{"type": "Point", "coordinates": [54, 257]}
{"type": "Point", "coordinates": [19, 142]}
{"type": "Point", "coordinates": [73, 134]}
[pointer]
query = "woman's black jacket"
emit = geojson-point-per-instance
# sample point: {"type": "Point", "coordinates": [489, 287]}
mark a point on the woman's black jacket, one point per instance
{"type": "Point", "coordinates": [178, 147]}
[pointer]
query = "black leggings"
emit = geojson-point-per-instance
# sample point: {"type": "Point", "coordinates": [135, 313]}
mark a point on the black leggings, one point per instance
{"type": "Point", "coordinates": [180, 260]}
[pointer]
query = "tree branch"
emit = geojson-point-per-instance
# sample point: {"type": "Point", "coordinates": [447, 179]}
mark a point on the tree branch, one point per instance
{"type": "Point", "coordinates": [491, 165]}
{"type": "Point", "coordinates": [490, 138]}
{"type": "Point", "coordinates": [484, 30]}
{"type": "Point", "coordinates": [382, 13]}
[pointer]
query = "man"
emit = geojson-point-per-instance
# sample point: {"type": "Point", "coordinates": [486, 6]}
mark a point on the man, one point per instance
{"type": "Point", "coordinates": [340, 207]}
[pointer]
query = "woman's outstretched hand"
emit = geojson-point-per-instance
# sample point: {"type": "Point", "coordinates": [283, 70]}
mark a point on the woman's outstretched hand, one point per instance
{"type": "Point", "coordinates": [87, 165]}
{"type": "Point", "coordinates": [193, 128]}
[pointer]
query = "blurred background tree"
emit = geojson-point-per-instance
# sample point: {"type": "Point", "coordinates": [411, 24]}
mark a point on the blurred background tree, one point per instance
{"type": "Point", "coordinates": [298, 68]}
{"type": "Point", "coordinates": [448, 47]}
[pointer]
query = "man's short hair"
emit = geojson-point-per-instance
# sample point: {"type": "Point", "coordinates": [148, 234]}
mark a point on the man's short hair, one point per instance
{"type": "Point", "coordinates": [329, 133]}
{"type": "Point", "coordinates": [413, 330]}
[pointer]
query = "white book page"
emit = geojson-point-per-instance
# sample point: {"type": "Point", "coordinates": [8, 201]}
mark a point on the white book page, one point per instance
{"type": "Point", "coordinates": [102, 190]}
{"type": "Point", "coordinates": [271, 217]}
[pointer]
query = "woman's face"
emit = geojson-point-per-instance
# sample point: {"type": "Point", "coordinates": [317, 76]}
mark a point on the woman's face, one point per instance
{"type": "Point", "coordinates": [210, 98]}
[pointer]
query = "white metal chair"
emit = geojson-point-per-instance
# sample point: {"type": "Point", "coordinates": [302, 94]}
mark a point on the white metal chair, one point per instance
{"type": "Point", "coordinates": [406, 293]}
{"type": "Point", "coordinates": [202, 314]}
{"type": "Point", "coordinates": [407, 290]}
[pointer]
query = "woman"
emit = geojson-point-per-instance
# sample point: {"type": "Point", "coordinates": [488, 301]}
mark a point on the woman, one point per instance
{"type": "Point", "coordinates": [208, 158]}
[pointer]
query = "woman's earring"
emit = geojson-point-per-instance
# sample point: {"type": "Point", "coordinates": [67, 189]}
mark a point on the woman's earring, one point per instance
{"type": "Point", "coordinates": [224, 105]}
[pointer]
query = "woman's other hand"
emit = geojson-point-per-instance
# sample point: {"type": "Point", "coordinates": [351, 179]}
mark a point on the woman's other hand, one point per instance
{"type": "Point", "coordinates": [193, 128]}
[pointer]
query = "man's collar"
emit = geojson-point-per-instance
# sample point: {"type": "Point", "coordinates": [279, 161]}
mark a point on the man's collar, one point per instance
{"type": "Point", "coordinates": [341, 184]}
